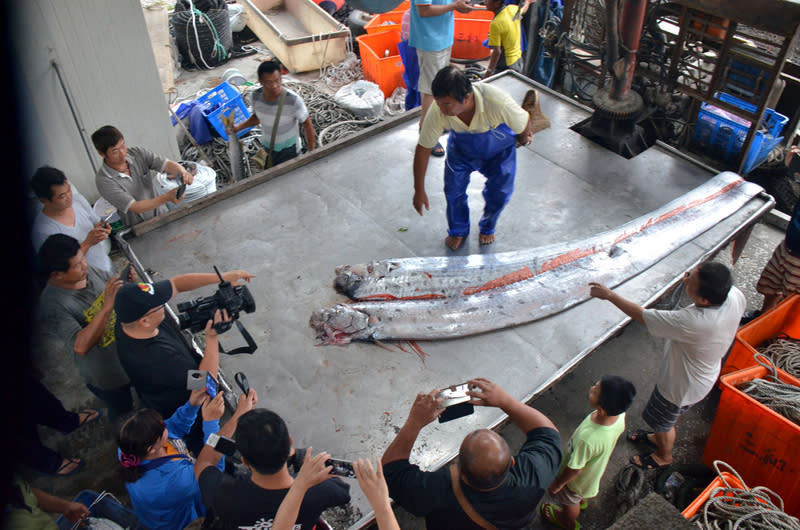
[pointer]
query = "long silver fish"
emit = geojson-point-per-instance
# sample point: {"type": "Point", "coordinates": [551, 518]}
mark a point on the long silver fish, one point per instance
{"type": "Point", "coordinates": [445, 277]}
{"type": "Point", "coordinates": [437, 298]}
{"type": "Point", "coordinates": [235, 151]}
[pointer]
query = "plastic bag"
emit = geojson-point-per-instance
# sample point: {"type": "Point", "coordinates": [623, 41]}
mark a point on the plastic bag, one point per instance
{"type": "Point", "coordinates": [362, 98]}
{"type": "Point", "coordinates": [237, 17]}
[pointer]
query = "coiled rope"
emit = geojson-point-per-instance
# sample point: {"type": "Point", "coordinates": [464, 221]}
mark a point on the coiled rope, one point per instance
{"type": "Point", "coordinates": [784, 352]}
{"type": "Point", "coordinates": [331, 121]}
{"type": "Point", "coordinates": [734, 508]}
{"type": "Point", "coordinates": [218, 51]}
{"type": "Point", "coordinates": [781, 397]}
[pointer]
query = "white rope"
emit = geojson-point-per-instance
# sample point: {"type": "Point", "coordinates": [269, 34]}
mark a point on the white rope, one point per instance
{"type": "Point", "coordinates": [734, 507]}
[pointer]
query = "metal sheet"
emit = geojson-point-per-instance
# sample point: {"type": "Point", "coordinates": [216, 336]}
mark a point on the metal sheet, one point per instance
{"type": "Point", "coordinates": [353, 206]}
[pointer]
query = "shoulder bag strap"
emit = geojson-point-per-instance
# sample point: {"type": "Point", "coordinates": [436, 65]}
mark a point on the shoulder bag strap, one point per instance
{"type": "Point", "coordinates": [275, 128]}
{"type": "Point", "coordinates": [464, 503]}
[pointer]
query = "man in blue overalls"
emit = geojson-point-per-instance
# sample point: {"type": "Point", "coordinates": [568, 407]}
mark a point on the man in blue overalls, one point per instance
{"type": "Point", "coordinates": [485, 125]}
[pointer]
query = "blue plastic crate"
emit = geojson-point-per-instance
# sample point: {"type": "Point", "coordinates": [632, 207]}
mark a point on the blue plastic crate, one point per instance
{"type": "Point", "coordinates": [220, 101]}
{"type": "Point", "coordinates": [107, 508]}
{"type": "Point", "coordinates": [722, 136]}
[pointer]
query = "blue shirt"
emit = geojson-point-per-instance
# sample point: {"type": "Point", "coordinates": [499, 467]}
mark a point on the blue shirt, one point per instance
{"type": "Point", "coordinates": [168, 496]}
{"type": "Point", "coordinates": [431, 34]}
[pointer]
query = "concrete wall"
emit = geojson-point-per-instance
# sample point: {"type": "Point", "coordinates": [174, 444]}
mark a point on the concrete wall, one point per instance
{"type": "Point", "coordinates": [103, 52]}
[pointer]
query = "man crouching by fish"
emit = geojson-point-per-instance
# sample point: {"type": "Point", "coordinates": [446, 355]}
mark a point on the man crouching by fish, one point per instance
{"type": "Point", "coordinates": [487, 483]}
{"type": "Point", "coordinates": [485, 125]}
{"type": "Point", "coordinates": [698, 337]}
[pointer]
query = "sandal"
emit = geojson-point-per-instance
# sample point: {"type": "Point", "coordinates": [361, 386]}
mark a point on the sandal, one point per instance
{"type": "Point", "coordinates": [548, 512]}
{"type": "Point", "coordinates": [85, 417]}
{"type": "Point", "coordinates": [437, 150]}
{"type": "Point", "coordinates": [647, 462]}
{"type": "Point", "coordinates": [641, 437]}
{"type": "Point", "coordinates": [64, 465]}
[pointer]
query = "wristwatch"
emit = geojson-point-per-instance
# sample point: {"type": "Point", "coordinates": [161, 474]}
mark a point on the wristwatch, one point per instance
{"type": "Point", "coordinates": [221, 444]}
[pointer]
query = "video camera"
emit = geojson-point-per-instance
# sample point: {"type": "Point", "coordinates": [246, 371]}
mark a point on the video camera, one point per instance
{"type": "Point", "coordinates": [195, 313]}
{"type": "Point", "coordinates": [233, 299]}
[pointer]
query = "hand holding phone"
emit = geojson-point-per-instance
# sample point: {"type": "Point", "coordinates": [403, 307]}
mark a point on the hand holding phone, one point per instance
{"type": "Point", "coordinates": [199, 380]}
{"type": "Point", "coordinates": [180, 192]}
{"type": "Point", "coordinates": [126, 273]}
{"type": "Point", "coordinates": [341, 468]}
{"type": "Point", "coordinates": [455, 401]}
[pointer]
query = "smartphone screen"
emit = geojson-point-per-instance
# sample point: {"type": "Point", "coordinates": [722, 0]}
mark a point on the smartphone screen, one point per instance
{"type": "Point", "coordinates": [211, 386]}
{"type": "Point", "coordinates": [456, 411]}
{"type": "Point", "coordinates": [342, 468]}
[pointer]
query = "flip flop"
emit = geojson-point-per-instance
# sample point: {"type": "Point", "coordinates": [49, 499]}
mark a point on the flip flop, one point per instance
{"type": "Point", "coordinates": [647, 463]}
{"type": "Point", "coordinates": [548, 512]}
{"type": "Point", "coordinates": [437, 150]}
{"type": "Point", "coordinates": [58, 472]}
{"type": "Point", "coordinates": [85, 417]}
{"type": "Point", "coordinates": [640, 437]}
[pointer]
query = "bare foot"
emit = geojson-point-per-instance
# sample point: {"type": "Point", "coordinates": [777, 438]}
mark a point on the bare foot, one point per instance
{"type": "Point", "coordinates": [453, 242]}
{"type": "Point", "coordinates": [486, 239]}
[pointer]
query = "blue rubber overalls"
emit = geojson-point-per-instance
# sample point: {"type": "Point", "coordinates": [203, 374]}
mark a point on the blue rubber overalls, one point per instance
{"type": "Point", "coordinates": [493, 153]}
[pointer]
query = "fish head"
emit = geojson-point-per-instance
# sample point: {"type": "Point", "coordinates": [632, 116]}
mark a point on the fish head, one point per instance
{"type": "Point", "coordinates": [348, 279]}
{"type": "Point", "coordinates": [341, 324]}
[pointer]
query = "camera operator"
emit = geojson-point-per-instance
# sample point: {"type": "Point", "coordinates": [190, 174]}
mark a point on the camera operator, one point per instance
{"type": "Point", "coordinates": [487, 483]}
{"type": "Point", "coordinates": [152, 351]}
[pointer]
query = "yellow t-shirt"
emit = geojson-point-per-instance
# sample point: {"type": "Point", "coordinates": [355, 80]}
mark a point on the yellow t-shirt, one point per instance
{"type": "Point", "coordinates": [506, 32]}
{"type": "Point", "coordinates": [493, 106]}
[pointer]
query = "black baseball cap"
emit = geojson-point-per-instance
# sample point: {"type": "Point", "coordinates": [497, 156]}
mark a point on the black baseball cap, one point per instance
{"type": "Point", "coordinates": [134, 300]}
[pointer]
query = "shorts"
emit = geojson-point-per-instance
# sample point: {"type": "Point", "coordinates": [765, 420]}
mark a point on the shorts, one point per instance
{"type": "Point", "coordinates": [660, 414]}
{"type": "Point", "coordinates": [781, 274]}
{"type": "Point", "coordinates": [429, 65]}
{"type": "Point", "coordinates": [566, 497]}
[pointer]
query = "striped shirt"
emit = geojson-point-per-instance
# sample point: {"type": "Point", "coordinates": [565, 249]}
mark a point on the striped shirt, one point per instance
{"type": "Point", "coordinates": [294, 113]}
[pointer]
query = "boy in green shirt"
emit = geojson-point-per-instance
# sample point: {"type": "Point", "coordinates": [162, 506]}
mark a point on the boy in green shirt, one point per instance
{"type": "Point", "coordinates": [588, 451]}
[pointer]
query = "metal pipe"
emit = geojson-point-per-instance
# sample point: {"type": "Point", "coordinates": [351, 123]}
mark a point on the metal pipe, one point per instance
{"type": "Point", "coordinates": [631, 22]}
{"type": "Point", "coordinates": [75, 117]}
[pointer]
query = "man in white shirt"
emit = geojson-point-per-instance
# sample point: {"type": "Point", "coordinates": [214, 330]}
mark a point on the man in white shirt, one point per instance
{"type": "Point", "coordinates": [65, 211]}
{"type": "Point", "coordinates": [698, 337]}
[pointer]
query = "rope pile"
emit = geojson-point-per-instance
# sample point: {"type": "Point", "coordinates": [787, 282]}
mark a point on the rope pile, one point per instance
{"type": "Point", "coordinates": [784, 352]}
{"type": "Point", "coordinates": [745, 508]}
{"type": "Point", "coordinates": [339, 74]}
{"type": "Point", "coordinates": [781, 397]}
{"type": "Point", "coordinates": [331, 121]}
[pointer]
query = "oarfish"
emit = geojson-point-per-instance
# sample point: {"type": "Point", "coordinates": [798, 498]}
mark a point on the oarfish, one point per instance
{"type": "Point", "coordinates": [444, 277]}
{"type": "Point", "coordinates": [441, 298]}
{"type": "Point", "coordinates": [235, 152]}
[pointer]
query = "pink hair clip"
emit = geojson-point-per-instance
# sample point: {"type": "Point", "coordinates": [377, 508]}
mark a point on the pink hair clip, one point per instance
{"type": "Point", "coordinates": [129, 460]}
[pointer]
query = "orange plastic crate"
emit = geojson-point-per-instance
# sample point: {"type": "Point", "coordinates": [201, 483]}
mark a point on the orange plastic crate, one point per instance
{"type": "Point", "coordinates": [783, 318]}
{"type": "Point", "coordinates": [471, 29]}
{"type": "Point", "coordinates": [382, 68]}
{"type": "Point", "coordinates": [701, 499]}
{"type": "Point", "coordinates": [760, 444]}
{"type": "Point", "coordinates": [390, 21]}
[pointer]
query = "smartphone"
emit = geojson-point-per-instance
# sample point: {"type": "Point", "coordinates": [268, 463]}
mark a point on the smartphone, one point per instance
{"type": "Point", "coordinates": [199, 380]}
{"type": "Point", "coordinates": [341, 468]}
{"type": "Point", "coordinates": [181, 190]}
{"type": "Point", "coordinates": [126, 273]}
{"type": "Point", "coordinates": [105, 219]}
{"type": "Point", "coordinates": [455, 401]}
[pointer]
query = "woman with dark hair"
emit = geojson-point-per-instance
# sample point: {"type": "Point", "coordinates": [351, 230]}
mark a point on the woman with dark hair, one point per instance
{"type": "Point", "coordinates": [155, 464]}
